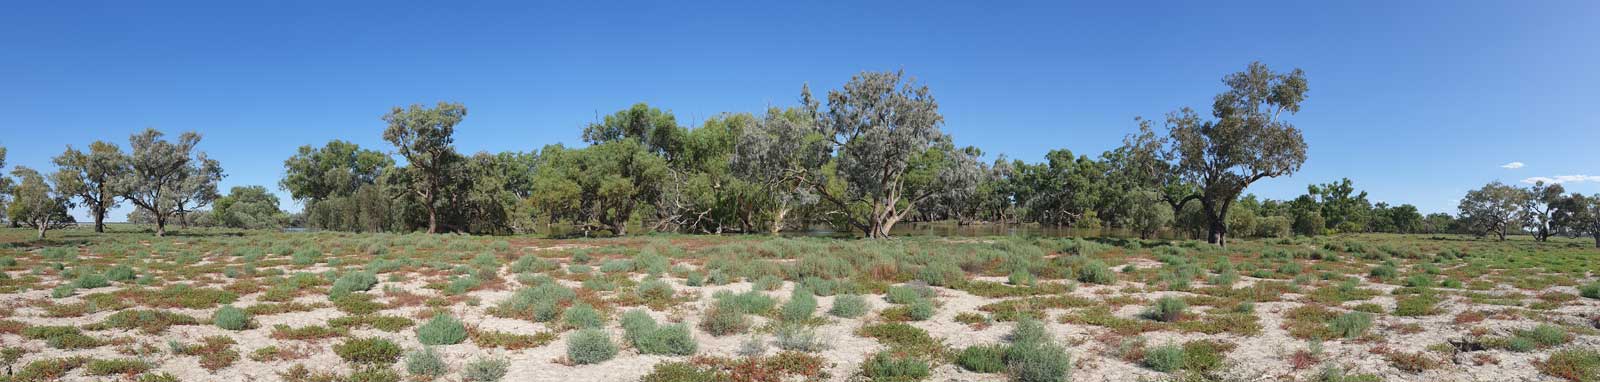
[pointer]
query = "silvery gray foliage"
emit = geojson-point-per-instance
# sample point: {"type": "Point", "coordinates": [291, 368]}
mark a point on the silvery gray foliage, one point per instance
{"type": "Point", "coordinates": [160, 170]}
{"type": "Point", "coordinates": [198, 187]}
{"type": "Point", "coordinates": [770, 153]}
{"type": "Point", "coordinates": [882, 130]}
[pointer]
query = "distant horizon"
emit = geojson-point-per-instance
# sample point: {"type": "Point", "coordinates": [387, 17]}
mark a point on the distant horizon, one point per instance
{"type": "Point", "coordinates": [1416, 104]}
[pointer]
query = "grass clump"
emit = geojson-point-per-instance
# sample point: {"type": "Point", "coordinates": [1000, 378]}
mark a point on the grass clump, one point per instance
{"type": "Point", "coordinates": [723, 319]}
{"type": "Point", "coordinates": [590, 346]}
{"type": "Point", "coordinates": [1417, 305]}
{"type": "Point", "coordinates": [888, 366]}
{"type": "Point", "coordinates": [442, 330]}
{"type": "Point", "coordinates": [1351, 325]}
{"type": "Point", "coordinates": [352, 282]}
{"type": "Point", "coordinates": [583, 316]}
{"type": "Point", "coordinates": [117, 367]}
{"type": "Point", "coordinates": [1577, 365]}
{"type": "Point", "coordinates": [1166, 309]}
{"type": "Point", "coordinates": [1164, 358]}
{"type": "Point", "coordinates": [643, 333]}
{"type": "Point", "coordinates": [800, 306]}
{"type": "Point", "coordinates": [795, 337]}
{"type": "Point", "coordinates": [231, 318]}
{"type": "Point", "coordinates": [372, 351]}
{"type": "Point", "coordinates": [983, 358]}
{"type": "Point", "coordinates": [1096, 272]}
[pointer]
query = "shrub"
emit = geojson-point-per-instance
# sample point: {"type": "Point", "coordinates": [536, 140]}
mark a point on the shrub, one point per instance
{"type": "Point", "coordinates": [849, 306]}
{"type": "Point", "coordinates": [425, 362]}
{"type": "Point", "coordinates": [375, 351]}
{"type": "Point", "coordinates": [892, 367]}
{"type": "Point", "coordinates": [442, 330]}
{"type": "Point", "coordinates": [1351, 325]}
{"type": "Point", "coordinates": [721, 320]}
{"type": "Point", "coordinates": [1020, 277]}
{"type": "Point", "coordinates": [352, 282]}
{"type": "Point", "coordinates": [1096, 272]}
{"type": "Point", "coordinates": [63, 291]}
{"type": "Point", "coordinates": [800, 306]}
{"type": "Point", "coordinates": [1578, 365]}
{"type": "Point", "coordinates": [654, 290]}
{"type": "Point", "coordinates": [1029, 332]}
{"type": "Point", "coordinates": [590, 346]}
{"type": "Point", "coordinates": [983, 358]}
{"type": "Point", "coordinates": [683, 372]}
{"type": "Point", "coordinates": [1419, 305]}
{"type": "Point", "coordinates": [906, 294]}
{"type": "Point", "coordinates": [799, 338]}
{"type": "Point", "coordinates": [1546, 335]}
{"type": "Point", "coordinates": [1165, 358]}
{"type": "Point", "coordinates": [120, 273]}
{"type": "Point", "coordinates": [539, 303]}
{"type": "Point", "coordinates": [485, 370]}
{"type": "Point", "coordinates": [117, 367]}
{"type": "Point", "coordinates": [231, 318]}
{"type": "Point", "coordinates": [583, 316]}
{"type": "Point", "coordinates": [1166, 309]}
{"type": "Point", "coordinates": [1042, 363]}
{"type": "Point", "coordinates": [751, 302]}
{"type": "Point", "coordinates": [635, 325]}
{"type": "Point", "coordinates": [1591, 291]}
{"type": "Point", "coordinates": [89, 280]}
{"type": "Point", "coordinates": [1384, 272]}
{"type": "Point", "coordinates": [673, 339]}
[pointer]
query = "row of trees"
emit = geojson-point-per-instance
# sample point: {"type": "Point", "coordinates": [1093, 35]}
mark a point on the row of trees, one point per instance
{"type": "Point", "coordinates": [163, 179]}
{"type": "Point", "coordinates": [865, 157]}
{"type": "Point", "coordinates": [1541, 210]}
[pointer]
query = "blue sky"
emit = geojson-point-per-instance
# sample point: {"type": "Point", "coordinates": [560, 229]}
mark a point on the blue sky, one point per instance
{"type": "Point", "coordinates": [1417, 102]}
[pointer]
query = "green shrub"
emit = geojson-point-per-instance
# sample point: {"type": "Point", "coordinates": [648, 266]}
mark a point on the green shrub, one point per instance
{"type": "Point", "coordinates": [89, 280]}
{"type": "Point", "coordinates": [654, 290]}
{"type": "Point", "coordinates": [426, 362]}
{"type": "Point", "coordinates": [675, 339]}
{"type": "Point", "coordinates": [1579, 365]}
{"type": "Point", "coordinates": [683, 372]}
{"type": "Point", "coordinates": [920, 310]}
{"type": "Point", "coordinates": [442, 330]}
{"type": "Point", "coordinates": [906, 294]}
{"type": "Point", "coordinates": [1042, 363]}
{"type": "Point", "coordinates": [120, 273]}
{"type": "Point", "coordinates": [63, 291]}
{"type": "Point", "coordinates": [887, 366]}
{"type": "Point", "coordinates": [374, 350]}
{"type": "Point", "coordinates": [1546, 335]}
{"type": "Point", "coordinates": [1592, 290]}
{"type": "Point", "coordinates": [1020, 277]}
{"type": "Point", "coordinates": [983, 358]}
{"type": "Point", "coordinates": [590, 346]}
{"type": "Point", "coordinates": [231, 318]}
{"type": "Point", "coordinates": [751, 302]}
{"type": "Point", "coordinates": [117, 367]}
{"type": "Point", "coordinates": [583, 316]}
{"type": "Point", "coordinates": [1029, 332]}
{"type": "Point", "coordinates": [1096, 272]}
{"type": "Point", "coordinates": [541, 303]}
{"type": "Point", "coordinates": [1351, 325]}
{"type": "Point", "coordinates": [635, 325]}
{"type": "Point", "coordinates": [1384, 272]}
{"type": "Point", "coordinates": [352, 282]}
{"type": "Point", "coordinates": [307, 256]}
{"type": "Point", "coordinates": [485, 370]}
{"type": "Point", "coordinates": [800, 306]}
{"type": "Point", "coordinates": [797, 337]}
{"type": "Point", "coordinates": [722, 320]}
{"type": "Point", "coordinates": [1165, 358]}
{"type": "Point", "coordinates": [1166, 309]}
{"type": "Point", "coordinates": [1418, 305]}
{"type": "Point", "coordinates": [768, 282]}
{"type": "Point", "coordinates": [849, 306]}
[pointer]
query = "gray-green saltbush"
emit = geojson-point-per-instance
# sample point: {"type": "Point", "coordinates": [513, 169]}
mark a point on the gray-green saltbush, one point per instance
{"type": "Point", "coordinates": [800, 306]}
{"type": "Point", "coordinates": [590, 346]}
{"type": "Point", "coordinates": [425, 362]}
{"type": "Point", "coordinates": [442, 330]}
{"type": "Point", "coordinates": [1351, 325]}
{"type": "Point", "coordinates": [231, 318]}
{"type": "Point", "coordinates": [352, 282]}
{"type": "Point", "coordinates": [485, 370]}
{"type": "Point", "coordinates": [1164, 358]}
{"type": "Point", "coordinates": [1166, 309]}
{"type": "Point", "coordinates": [582, 316]}
{"type": "Point", "coordinates": [849, 306]}
{"type": "Point", "coordinates": [796, 337]}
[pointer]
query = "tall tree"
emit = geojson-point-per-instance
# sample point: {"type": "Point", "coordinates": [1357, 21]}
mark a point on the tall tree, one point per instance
{"type": "Point", "coordinates": [157, 170]}
{"type": "Point", "coordinates": [338, 184]}
{"type": "Point", "coordinates": [1493, 208]}
{"type": "Point", "coordinates": [772, 155]}
{"type": "Point", "coordinates": [1343, 208]}
{"type": "Point", "coordinates": [1580, 214]}
{"type": "Point", "coordinates": [5, 186]}
{"type": "Point", "coordinates": [1248, 141]}
{"type": "Point", "coordinates": [884, 131]}
{"type": "Point", "coordinates": [249, 207]}
{"type": "Point", "coordinates": [1541, 207]}
{"type": "Point", "coordinates": [198, 187]}
{"type": "Point", "coordinates": [92, 177]}
{"type": "Point", "coordinates": [37, 204]}
{"type": "Point", "coordinates": [424, 137]}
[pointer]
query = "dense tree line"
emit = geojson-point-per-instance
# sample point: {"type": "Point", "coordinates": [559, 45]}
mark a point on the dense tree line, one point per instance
{"type": "Point", "coordinates": [864, 157]}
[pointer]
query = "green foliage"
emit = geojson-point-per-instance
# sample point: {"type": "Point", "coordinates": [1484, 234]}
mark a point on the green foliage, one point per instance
{"type": "Point", "coordinates": [796, 337]}
{"type": "Point", "coordinates": [1041, 363]}
{"type": "Point", "coordinates": [1351, 325]}
{"type": "Point", "coordinates": [724, 319]}
{"type": "Point", "coordinates": [373, 350]}
{"type": "Point", "coordinates": [1166, 309]}
{"type": "Point", "coordinates": [426, 362]}
{"type": "Point", "coordinates": [1579, 365]}
{"type": "Point", "coordinates": [443, 329]}
{"type": "Point", "coordinates": [1164, 358]}
{"type": "Point", "coordinates": [485, 370]}
{"type": "Point", "coordinates": [120, 273]}
{"type": "Point", "coordinates": [888, 366]}
{"type": "Point", "coordinates": [849, 306]}
{"type": "Point", "coordinates": [1096, 272]}
{"type": "Point", "coordinates": [983, 358]}
{"type": "Point", "coordinates": [583, 316]}
{"type": "Point", "coordinates": [89, 280]}
{"type": "Point", "coordinates": [590, 346]}
{"type": "Point", "coordinates": [231, 318]}
{"type": "Point", "coordinates": [800, 306]}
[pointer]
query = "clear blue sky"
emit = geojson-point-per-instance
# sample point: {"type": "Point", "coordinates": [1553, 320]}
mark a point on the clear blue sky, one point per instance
{"type": "Point", "coordinates": [1417, 102]}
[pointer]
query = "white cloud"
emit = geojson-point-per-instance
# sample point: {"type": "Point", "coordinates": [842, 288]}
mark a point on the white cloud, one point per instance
{"type": "Point", "coordinates": [1512, 165]}
{"type": "Point", "coordinates": [1562, 179]}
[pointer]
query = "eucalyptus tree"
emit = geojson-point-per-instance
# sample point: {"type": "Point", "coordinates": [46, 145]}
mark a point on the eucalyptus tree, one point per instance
{"type": "Point", "coordinates": [338, 185]}
{"type": "Point", "coordinates": [773, 154]}
{"type": "Point", "coordinates": [249, 207]}
{"type": "Point", "coordinates": [92, 177]}
{"type": "Point", "coordinates": [1147, 213]}
{"type": "Point", "coordinates": [198, 187]}
{"type": "Point", "coordinates": [37, 204]}
{"type": "Point", "coordinates": [1580, 214]}
{"type": "Point", "coordinates": [1343, 208]}
{"type": "Point", "coordinates": [5, 185]}
{"type": "Point", "coordinates": [1541, 207]}
{"type": "Point", "coordinates": [424, 136]}
{"type": "Point", "coordinates": [158, 170]}
{"type": "Point", "coordinates": [1493, 208]}
{"type": "Point", "coordinates": [1247, 141]}
{"type": "Point", "coordinates": [888, 155]}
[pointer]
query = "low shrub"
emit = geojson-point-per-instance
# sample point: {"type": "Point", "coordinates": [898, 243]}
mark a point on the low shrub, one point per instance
{"type": "Point", "coordinates": [582, 316]}
{"type": "Point", "coordinates": [590, 346]}
{"type": "Point", "coordinates": [426, 362]}
{"type": "Point", "coordinates": [800, 306]}
{"type": "Point", "coordinates": [231, 318]}
{"type": "Point", "coordinates": [1577, 365]}
{"type": "Point", "coordinates": [1041, 363]}
{"type": "Point", "coordinates": [485, 370]}
{"type": "Point", "coordinates": [442, 330]}
{"type": "Point", "coordinates": [1164, 358]}
{"type": "Point", "coordinates": [375, 351]}
{"type": "Point", "coordinates": [849, 306]}
{"type": "Point", "coordinates": [801, 338]}
{"type": "Point", "coordinates": [352, 282]}
{"type": "Point", "coordinates": [886, 366]}
{"type": "Point", "coordinates": [983, 358]}
{"type": "Point", "coordinates": [722, 320]}
{"type": "Point", "coordinates": [1351, 325]}
{"type": "Point", "coordinates": [1166, 309]}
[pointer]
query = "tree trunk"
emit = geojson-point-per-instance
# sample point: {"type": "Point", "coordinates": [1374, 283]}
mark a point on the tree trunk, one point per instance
{"type": "Point", "coordinates": [43, 225]}
{"type": "Point", "coordinates": [620, 228]}
{"type": "Point", "coordinates": [99, 220]}
{"type": "Point", "coordinates": [777, 220]}
{"type": "Point", "coordinates": [161, 225]}
{"type": "Point", "coordinates": [1218, 233]}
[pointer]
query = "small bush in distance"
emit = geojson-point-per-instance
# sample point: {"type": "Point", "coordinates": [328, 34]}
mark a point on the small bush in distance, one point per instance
{"type": "Point", "coordinates": [849, 306]}
{"type": "Point", "coordinates": [590, 346]}
{"type": "Point", "coordinates": [485, 370]}
{"type": "Point", "coordinates": [426, 362]}
{"type": "Point", "coordinates": [442, 330]}
{"type": "Point", "coordinates": [375, 351]}
{"type": "Point", "coordinates": [231, 318]}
